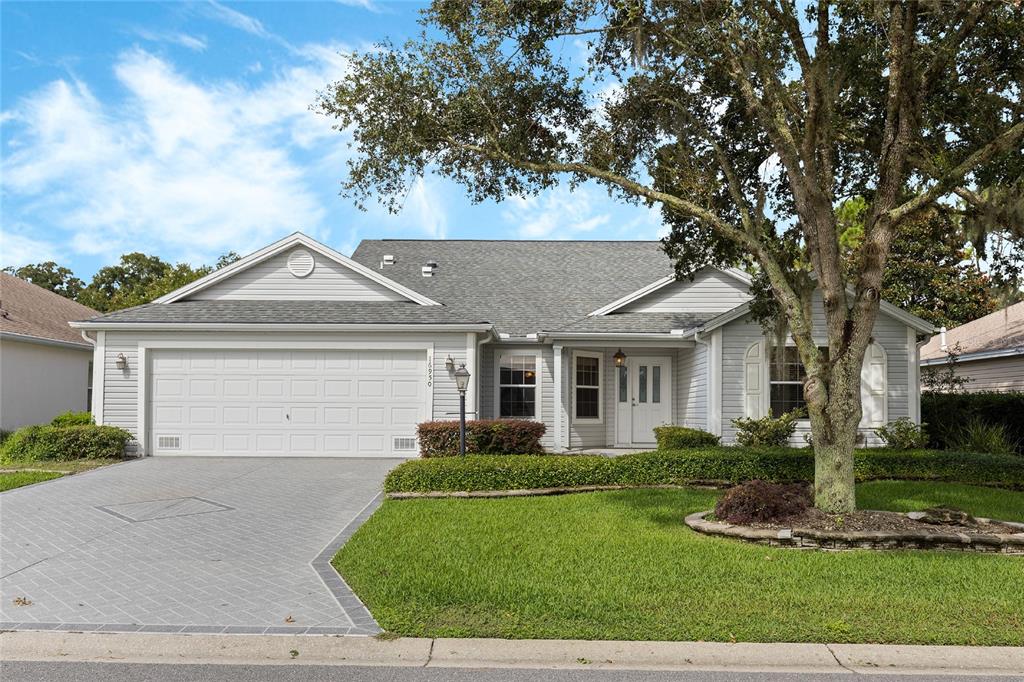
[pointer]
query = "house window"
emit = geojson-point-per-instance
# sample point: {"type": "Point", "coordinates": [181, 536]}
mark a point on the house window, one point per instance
{"type": "Point", "coordinates": [517, 386]}
{"type": "Point", "coordinates": [88, 390]}
{"type": "Point", "coordinates": [587, 385]}
{"type": "Point", "coordinates": [787, 380]}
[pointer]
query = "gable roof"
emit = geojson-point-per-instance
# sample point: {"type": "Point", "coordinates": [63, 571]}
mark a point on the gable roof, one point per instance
{"type": "Point", "coordinates": [522, 287]}
{"type": "Point", "coordinates": [658, 284]}
{"type": "Point", "coordinates": [996, 334]}
{"type": "Point", "coordinates": [294, 239]}
{"type": "Point", "coordinates": [31, 311]}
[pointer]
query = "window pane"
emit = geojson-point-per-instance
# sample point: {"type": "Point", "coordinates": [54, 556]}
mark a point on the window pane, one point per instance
{"type": "Point", "coordinates": [786, 397]}
{"type": "Point", "coordinates": [656, 383]}
{"type": "Point", "coordinates": [623, 384]}
{"type": "Point", "coordinates": [587, 371]}
{"type": "Point", "coordinates": [586, 403]}
{"type": "Point", "coordinates": [517, 401]}
{"type": "Point", "coordinates": [642, 380]}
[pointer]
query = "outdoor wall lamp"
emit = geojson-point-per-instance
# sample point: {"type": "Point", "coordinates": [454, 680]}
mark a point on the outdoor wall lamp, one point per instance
{"type": "Point", "coordinates": [122, 361]}
{"type": "Point", "coordinates": [620, 358]}
{"type": "Point", "coordinates": [449, 364]}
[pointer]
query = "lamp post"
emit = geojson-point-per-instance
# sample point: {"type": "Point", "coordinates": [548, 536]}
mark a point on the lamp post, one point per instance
{"type": "Point", "coordinates": [462, 383]}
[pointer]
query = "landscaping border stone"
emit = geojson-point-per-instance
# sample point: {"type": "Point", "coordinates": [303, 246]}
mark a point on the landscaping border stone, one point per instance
{"type": "Point", "coordinates": [535, 492]}
{"type": "Point", "coordinates": [809, 538]}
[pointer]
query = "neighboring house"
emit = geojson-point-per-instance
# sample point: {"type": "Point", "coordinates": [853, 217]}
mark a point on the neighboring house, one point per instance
{"type": "Point", "coordinates": [299, 350]}
{"type": "Point", "coordinates": [991, 351]}
{"type": "Point", "coordinates": [45, 365]}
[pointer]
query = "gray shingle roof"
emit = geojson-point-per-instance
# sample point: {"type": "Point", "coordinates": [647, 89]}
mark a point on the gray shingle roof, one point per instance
{"type": "Point", "coordinates": [30, 310]}
{"type": "Point", "coordinates": [288, 312]}
{"type": "Point", "coordinates": [522, 287]}
{"type": "Point", "coordinates": [648, 323]}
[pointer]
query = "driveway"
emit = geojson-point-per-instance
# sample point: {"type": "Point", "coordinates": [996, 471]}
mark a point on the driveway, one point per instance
{"type": "Point", "coordinates": [175, 544]}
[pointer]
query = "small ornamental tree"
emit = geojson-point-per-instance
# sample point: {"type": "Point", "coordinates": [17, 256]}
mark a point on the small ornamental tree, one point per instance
{"type": "Point", "coordinates": [746, 121]}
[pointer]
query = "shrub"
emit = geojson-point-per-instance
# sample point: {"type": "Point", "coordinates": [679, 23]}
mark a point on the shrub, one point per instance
{"type": "Point", "coordinates": [947, 413]}
{"type": "Point", "coordinates": [4, 435]}
{"type": "Point", "coordinates": [903, 434]}
{"type": "Point", "coordinates": [62, 443]}
{"type": "Point", "coordinates": [977, 436]}
{"type": "Point", "coordinates": [760, 501]}
{"type": "Point", "coordinates": [678, 437]}
{"type": "Point", "coordinates": [483, 436]}
{"type": "Point", "coordinates": [696, 465]}
{"type": "Point", "coordinates": [72, 419]}
{"type": "Point", "coordinates": [767, 431]}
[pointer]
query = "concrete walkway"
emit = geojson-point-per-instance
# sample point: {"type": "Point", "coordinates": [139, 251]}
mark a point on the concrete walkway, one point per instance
{"type": "Point", "coordinates": [497, 653]}
{"type": "Point", "coordinates": [179, 544]}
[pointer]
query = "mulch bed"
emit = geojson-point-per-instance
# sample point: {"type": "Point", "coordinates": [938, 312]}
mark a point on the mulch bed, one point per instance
{"type": "Point", "coordinates": [864, 520]}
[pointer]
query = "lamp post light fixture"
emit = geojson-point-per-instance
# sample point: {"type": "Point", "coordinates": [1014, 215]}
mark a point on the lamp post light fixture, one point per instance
{"type": "Point", "coordinates": [462, 383]}
{"type": "Point", "coordinates": [620, 358]}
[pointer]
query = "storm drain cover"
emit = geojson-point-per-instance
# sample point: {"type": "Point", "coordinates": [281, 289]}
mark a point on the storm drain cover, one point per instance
{"type": "Point", "coordinates": [134, 512]}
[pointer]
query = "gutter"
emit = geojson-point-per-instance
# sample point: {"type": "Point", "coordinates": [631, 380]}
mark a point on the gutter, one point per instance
{"type": "Point", "coordinates": [980, 355]}
{"type": "Point", "coordinates": [43, 341]}
{"type": "Point", "coordinates": [277, 326]}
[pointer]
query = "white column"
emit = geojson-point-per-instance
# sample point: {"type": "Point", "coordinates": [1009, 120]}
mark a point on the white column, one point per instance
{"type": "Point", "coordinates": [715, 382]}
{"type": "Point", "coordinates": [558, 397]}
{"type": "Point", "coordinates": [913, 377]}
{"type": "Point", "coordinates": [99, 375]}
{"type": "Point", "coordinates": [471, 366]}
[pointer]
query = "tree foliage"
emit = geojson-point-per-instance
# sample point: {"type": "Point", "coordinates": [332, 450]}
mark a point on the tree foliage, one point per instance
{"type": "Point", "coordinates": [746, 121]}
{"type": "Point", "coordinates": [49, 275]}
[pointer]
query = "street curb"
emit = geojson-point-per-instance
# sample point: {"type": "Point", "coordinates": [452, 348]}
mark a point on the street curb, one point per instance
{"type": "Point", "coordinates": [499, 653]}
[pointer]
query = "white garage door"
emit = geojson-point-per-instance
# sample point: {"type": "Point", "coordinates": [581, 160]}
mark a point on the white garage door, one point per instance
{"type": "Point", "coordinates": [300, 403]}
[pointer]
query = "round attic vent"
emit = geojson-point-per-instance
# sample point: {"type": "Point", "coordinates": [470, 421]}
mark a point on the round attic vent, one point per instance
{"type": "Point", "coordinates": [300, 263]}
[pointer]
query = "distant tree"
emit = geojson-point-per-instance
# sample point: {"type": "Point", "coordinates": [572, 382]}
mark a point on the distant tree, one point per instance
{"type": "Point", "coordinates": [49, 275]}
{"type": "Point", "coordinates": [226, 260]}
{"type": "Point", "coordinates": [944, 378]}
{"type": "Point", "coordinates": [123, 285]}
{"type": "Point", "coordinates": [931, 272]}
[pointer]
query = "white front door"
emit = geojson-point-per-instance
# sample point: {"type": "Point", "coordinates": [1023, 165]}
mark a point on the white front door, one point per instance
{"type": "Point", "coordinates": [287, 403]}
{"type": "Point", "coordinates": [643, 399]}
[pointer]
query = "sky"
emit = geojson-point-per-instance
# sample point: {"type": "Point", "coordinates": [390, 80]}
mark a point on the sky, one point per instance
{"type": "Point", "coordinates": [184, 130]}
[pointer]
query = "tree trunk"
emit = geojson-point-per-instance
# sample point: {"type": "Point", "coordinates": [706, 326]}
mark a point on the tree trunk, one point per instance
{"type": "Point", "coordinates": [834, 421]}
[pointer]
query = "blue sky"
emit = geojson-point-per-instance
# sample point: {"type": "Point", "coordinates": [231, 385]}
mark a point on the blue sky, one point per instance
{"type": "Point", "coordinates": [183, 130]}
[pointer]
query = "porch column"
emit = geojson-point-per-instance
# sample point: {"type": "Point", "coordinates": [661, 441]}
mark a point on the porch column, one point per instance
{"type": "Point", "coordinates": [558, 396]}
{"type": "Point", "coordinates": [471, 365]}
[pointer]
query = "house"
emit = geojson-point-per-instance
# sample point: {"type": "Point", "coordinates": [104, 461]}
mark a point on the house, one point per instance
{"type": "Point", "coordinates": [45, 366]}
{"type": "Point", "coordinates": [299, 350]}
{"type": "Point", "coordinates": [991, 350]}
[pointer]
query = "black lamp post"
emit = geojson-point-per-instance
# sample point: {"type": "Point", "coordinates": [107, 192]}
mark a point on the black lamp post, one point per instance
{"type": "Point", "coordinates": [462, 383]}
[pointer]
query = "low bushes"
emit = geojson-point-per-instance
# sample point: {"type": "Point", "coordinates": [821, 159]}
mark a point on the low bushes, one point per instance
{"type": "Point", "coordinates": [760, 501]}
{"type": "Point", "coordinates": [679, 437]}
{"type": "Point", "coordinates": [767, 431]}
{"type": "Point", "coordinates": [903, 434]}
{"type": "Point", "coordinates": [698, 465]}
{"type": "Point", "coordinates": [483, 436]}
{"type": "Point", "coordinates": [72, 419]}
{"type": "Point", "coordinates": [948, 413]}
{"type": "Point", "coordinates": [63, 443]}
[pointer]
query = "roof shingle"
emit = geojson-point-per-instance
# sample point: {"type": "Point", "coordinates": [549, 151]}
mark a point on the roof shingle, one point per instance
{"type": "Point", "coordinates": [998, 331]}
{"type": "Point", "coordinates": [31, 310]}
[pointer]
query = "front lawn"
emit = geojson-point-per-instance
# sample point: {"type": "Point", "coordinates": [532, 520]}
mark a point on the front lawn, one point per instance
{"type": "Point", "coordinates": [16, 479]}
{"type": "Point", "coordinates": [621, 565]}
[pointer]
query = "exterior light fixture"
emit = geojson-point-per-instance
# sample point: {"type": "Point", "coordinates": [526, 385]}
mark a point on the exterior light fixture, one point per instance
{"type": "Point", "coordinates": [449, 364]}
{"type": "Point", "coordinates": [122, 361]}
{"type": "Point", "coordinates": [462, 383]}
{"type": "Point", "coordinates": [620, 358]}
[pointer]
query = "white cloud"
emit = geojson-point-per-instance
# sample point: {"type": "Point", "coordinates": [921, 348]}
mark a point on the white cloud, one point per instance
{"type": "Point", "coordinates": [368, 5]}
{"type": "Point", "coordinates": [18, 249]}
{"type": "Point", "coordinates": [235, 19]}
{"type": "Point", "coordinates": [559, 213]}
{"type": "Point", "coordinates": [180, 168]}
{"type": "Point", "coordinates": [195, 43]}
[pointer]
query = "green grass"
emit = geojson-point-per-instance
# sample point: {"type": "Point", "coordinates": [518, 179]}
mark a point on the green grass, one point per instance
{"type": "Point", "coordinates": [72, 466]}
{"type": "Point", "coordinates": [621, 565]}
{"type": "Point", "coordinates": [907, 496]}
{"type": "Point", "coordinates": [17, 479]}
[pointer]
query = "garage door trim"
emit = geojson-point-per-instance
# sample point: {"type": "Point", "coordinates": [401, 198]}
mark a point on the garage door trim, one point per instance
{"type": "Point", "coordinates": [144, 370]}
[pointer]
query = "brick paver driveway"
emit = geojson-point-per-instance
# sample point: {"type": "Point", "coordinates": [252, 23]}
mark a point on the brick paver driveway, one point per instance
{"type": "Point", "coordinates": [176, 544]}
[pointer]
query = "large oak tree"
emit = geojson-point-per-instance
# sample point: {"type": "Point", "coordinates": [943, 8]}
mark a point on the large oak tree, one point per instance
{"type": "Point", "coordinates": [747, 122]}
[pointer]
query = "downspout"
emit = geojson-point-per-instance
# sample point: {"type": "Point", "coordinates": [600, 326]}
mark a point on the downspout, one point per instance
{"type": "Point", "coordinates": [488, 337]}
{"type": "Point", "coordinates": [96, 379]}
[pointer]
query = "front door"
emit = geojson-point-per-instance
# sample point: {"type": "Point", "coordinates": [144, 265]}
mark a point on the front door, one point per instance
{"type": "Point", "coordinates": [644, 393]}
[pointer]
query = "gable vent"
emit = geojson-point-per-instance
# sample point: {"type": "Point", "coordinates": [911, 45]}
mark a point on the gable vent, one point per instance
{"type": "Point", "coordinates": [168, 442]}
{"type": "Point", "coordinates": [404, 443]}
{"type": "Point", "coordinates": [300, 263]}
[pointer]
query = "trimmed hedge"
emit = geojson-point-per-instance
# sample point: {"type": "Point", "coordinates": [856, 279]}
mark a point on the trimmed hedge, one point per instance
{"type": "Point", "coordinates": [72, 419]}
{"type": "Point", "coordinates": [703, 465]}
{"type": "Point", "coordinates": [678, 437]}
{"type": "Point", "coordinates": [483, 436]}
{"type": "Point", "coordinates": [64, 443]}
{"type": "Point", "coordinates": [947, 413]}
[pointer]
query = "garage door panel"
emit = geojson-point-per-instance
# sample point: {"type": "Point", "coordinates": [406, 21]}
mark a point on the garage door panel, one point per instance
{"type": "Point", "coordinates": [301, 403]}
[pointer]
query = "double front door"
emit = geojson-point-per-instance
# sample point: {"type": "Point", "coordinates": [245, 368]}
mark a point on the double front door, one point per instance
{"type": "Point", "coordinates": [643, 399]}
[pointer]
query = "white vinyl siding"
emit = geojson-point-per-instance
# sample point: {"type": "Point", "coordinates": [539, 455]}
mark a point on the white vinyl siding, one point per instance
{"type": "Point", "coordinates": [711, 291]}
{"type": "Point", "coordinates": [546, 394]}
{"type": "Point", "coordinates": [996, 374]}
{"type": "Point", "coordinates": [271, 280]}
{"type": "Point", "coordinates": [691, 398]}
{"type": "Point", "coordinates": [737, 337]}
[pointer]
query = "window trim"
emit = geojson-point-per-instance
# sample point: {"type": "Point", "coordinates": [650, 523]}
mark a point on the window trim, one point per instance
{"type": "Point", "coordinates": [805, 421]}
{"type": "Point", "coordinates": [599, 419]}
{"type": "Point", "coordinates": [538, 367]}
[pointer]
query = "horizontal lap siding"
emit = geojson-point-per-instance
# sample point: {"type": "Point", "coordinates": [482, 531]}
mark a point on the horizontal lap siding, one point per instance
{"type": "Point", "coordinates": [691, 406]}
{"type": "Point", "coordinates": [997, 374]}
{"type": "Point", "coordinates": [272, 281]}
{"type": "Point", "coordinates": [711, 291]}
{"type": "Point", "coordinates": [737, 336]}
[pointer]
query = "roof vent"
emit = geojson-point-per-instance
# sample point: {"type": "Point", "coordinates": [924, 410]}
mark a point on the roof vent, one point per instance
{"type": "Point", "coordinates": [300, 263]}
{"type": "Point", "coordinates": [388, 259]}
{"type": "Point", "coordinates": [428, 269]}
